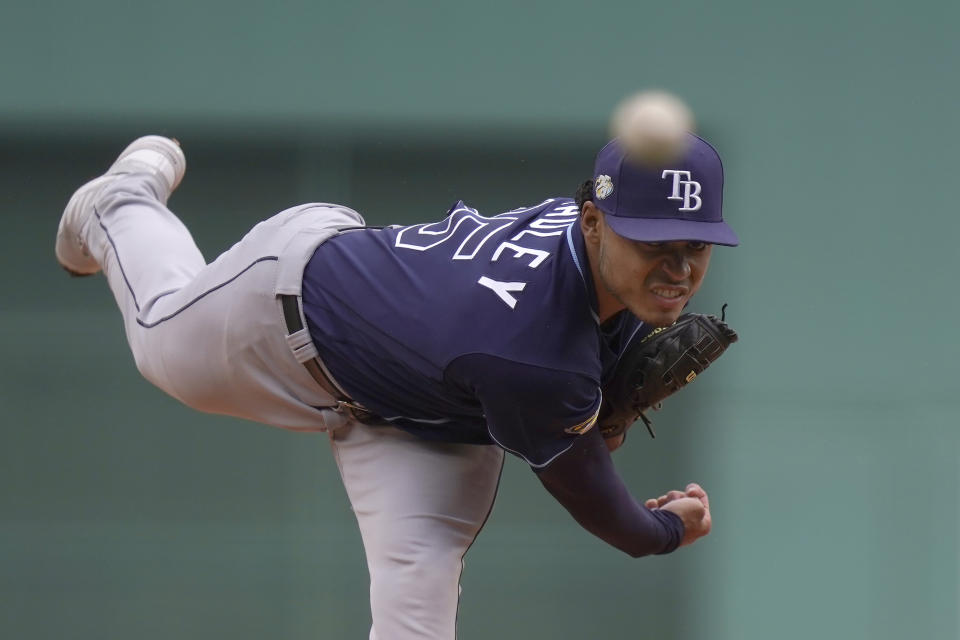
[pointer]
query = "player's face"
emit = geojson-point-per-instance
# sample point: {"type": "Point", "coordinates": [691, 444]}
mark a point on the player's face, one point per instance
{"type": "Point", "coordinates": [652, 280]}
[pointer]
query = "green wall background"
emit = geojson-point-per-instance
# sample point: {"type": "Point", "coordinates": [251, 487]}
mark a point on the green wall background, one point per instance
{"type": "Point", "coordinates": [827, 437]}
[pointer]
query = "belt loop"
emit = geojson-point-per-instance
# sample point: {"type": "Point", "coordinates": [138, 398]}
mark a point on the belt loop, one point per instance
{"type": "Point", "coordinates": [306, 354]}
{"type": "Point", "coordinates": [298, 337]}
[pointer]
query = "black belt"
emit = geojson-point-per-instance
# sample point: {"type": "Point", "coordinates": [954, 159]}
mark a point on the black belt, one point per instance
{"type": "Point", "coordinates": [291, 315]}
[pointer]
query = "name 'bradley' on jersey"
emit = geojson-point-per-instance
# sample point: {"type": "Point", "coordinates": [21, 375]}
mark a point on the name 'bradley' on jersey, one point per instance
{"type": "Point", "coordinates": [474, 230]}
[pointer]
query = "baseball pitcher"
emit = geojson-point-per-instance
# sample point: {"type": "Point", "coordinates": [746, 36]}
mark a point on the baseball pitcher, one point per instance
{"type": "Point", "coordinates": [427, 351]}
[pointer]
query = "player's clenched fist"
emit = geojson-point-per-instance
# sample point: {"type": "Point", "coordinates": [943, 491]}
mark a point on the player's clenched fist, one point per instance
{"type": "Point", "coordinates": [693, 507]}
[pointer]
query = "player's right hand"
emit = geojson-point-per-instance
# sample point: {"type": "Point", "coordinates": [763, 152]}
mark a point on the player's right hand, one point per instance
{"type": "Point", "coordinates": [693, 508]}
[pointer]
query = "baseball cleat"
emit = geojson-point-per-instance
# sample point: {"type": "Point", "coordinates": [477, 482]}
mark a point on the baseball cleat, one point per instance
{"type": "Point", "coordinates": [157, 156]}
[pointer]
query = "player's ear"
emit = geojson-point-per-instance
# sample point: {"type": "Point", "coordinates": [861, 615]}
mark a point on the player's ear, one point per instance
{"type": "Point", "coordinates": [591, 222]}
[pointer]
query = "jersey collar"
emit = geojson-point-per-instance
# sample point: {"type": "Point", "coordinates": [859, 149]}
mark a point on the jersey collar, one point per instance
{"type": "Point", "coordinates": [578, 252]}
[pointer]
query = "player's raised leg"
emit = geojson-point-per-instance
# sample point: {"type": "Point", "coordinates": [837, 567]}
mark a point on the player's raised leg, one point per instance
{"type": "Point", "coordinates": [420, 505]}
{"type": "Point", "coordinates": [211, 335]}
{"type": "Point", "coordinates": [119, 223]}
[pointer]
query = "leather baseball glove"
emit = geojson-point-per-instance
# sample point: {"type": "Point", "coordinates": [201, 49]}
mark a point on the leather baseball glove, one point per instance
{"type": "Point", "coordinates": [657, 366]}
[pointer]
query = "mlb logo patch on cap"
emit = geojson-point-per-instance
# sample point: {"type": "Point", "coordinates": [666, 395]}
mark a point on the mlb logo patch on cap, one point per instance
{"type": "Point", "coordinates": [603, 186]}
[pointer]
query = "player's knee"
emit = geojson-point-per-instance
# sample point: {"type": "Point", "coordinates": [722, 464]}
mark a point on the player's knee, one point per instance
{"type": "Point", "coordinates": [149, 357]}
{"type": "Point", "coordinates": [416, 572]}
{"type": "Point", "coordinates": [147, 367]}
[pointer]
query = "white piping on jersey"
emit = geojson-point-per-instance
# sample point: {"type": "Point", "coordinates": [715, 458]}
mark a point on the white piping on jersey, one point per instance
{"type": "Point", "coordinates": [576, 262]}
{"type": "Point", "coordinates": [516, 453]}
{"type": "Point", "coordinates": [525, 459]}
{"type": "Point", "coordinates": [596, 417]}
{"type": "Point", "coordinates": [629, 340]}
{"type": "Point", "coordinates": [423, 420]}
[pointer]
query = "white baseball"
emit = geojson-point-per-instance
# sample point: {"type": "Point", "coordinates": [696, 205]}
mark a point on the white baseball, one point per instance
{"type": "Point", "coordinates": [652, 127]}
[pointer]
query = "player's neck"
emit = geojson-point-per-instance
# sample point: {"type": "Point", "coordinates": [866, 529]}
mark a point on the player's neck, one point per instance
{"type": "Point", "coordinates": [608, 305]}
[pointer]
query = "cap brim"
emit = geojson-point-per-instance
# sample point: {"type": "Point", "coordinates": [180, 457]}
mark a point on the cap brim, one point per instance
{"type": "Point", "coordinates": [671, 230]}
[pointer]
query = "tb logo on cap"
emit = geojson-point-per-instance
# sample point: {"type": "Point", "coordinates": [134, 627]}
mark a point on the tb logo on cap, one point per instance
{"type": "Point", "coordinates": [691, 189]}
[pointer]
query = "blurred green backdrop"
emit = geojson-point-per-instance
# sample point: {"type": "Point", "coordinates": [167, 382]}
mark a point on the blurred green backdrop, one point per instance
{"type": "Point", "coordinates": [827, 437]}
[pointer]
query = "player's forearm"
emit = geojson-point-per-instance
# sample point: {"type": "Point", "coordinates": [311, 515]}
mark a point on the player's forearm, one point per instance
{"type": "Point", "coordinates": [624, 524]}
{"type": "Point", "coordinates": [584, 481]}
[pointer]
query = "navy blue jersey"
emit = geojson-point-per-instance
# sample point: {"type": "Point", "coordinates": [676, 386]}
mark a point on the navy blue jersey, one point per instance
{"type": "Point", "coordinates": [472, 329]}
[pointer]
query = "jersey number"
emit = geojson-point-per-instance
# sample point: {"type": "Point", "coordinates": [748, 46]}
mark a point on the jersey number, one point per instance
{"type": "Point", "coordinates": [464, 224]}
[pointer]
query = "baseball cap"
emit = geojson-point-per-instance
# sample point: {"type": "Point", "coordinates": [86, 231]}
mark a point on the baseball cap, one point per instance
{"type": "Point", "coordinates": [682, 200]}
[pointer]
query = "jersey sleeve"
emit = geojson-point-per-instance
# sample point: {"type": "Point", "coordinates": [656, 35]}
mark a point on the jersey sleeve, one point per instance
{"type": "Point", "coordinates": [534, 412]}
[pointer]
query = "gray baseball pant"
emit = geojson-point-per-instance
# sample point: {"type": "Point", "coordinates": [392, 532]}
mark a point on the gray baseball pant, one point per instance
{"type": "Point", "coordinates": [213, 336]}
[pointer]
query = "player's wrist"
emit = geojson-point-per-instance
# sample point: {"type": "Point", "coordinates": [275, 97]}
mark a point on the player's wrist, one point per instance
{"type": "Point", "coordinates": [674, 529]}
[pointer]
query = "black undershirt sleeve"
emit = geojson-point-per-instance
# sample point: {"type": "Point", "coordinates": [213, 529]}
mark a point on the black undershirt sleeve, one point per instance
{"type": "Point", "coordinates": [584, 480]}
